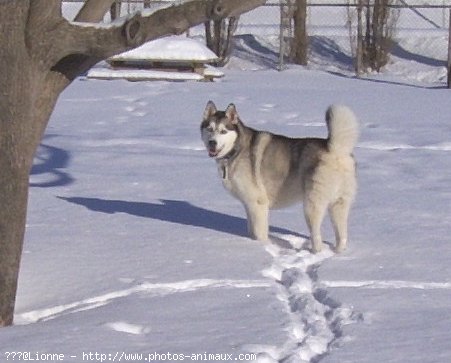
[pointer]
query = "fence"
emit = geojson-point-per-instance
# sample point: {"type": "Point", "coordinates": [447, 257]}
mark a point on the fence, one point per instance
{"type": "Point", "coordinates": [328, 28]}
{"type": "Point", "coordinates": [421, 33]}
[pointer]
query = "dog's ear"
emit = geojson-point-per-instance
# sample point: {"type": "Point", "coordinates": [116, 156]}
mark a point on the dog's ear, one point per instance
{"type": "Point", "coordinates": [232, 114]}
{"type": "Point", "coordinates": [210, 110]}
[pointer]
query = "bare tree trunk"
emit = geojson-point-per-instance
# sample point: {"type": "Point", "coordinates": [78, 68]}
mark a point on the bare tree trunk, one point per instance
{"type": "Point", "coordinates": [219, 37]}
{"type": "Point", "coordinates": [22, 112]}
{"type": "Point", "coordinates": [368, 41]}
{"type": "Point", "coordinates": [115, 10]}
{"type": "Point", "coordinates": [42, 54]}
{"type": "Point", "coordinates": [359, 48]}
{"type": "Point", "coordinates": [93, 11]}
{"type": "Point", "coordinates": [378, 54]}
{"type": "Point", "coordinates": [376, 24]}
{"type": "Point", "coordinates": [300, 51]}
{"type": "Point", "coordinates": [209, 36]}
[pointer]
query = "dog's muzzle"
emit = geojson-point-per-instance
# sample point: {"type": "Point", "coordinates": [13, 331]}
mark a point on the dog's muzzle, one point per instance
{"type": "Point", "coordinates": [212, 148]}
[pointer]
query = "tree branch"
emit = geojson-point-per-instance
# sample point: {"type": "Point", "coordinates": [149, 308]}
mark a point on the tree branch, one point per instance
{"type": "Point", "coordinates": [93, 11]}
{"type": "Point", "coordinates": [107, 41]}
{"type": "Point", "coordinates": [89, 43]}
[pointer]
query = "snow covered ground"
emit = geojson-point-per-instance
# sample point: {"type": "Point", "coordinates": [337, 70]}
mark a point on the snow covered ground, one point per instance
{"type": "Point", "coordinates": [134, 252]}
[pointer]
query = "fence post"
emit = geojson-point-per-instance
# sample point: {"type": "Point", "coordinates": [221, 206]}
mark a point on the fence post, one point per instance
{"type": "Point", "coordinates": [449, 49]}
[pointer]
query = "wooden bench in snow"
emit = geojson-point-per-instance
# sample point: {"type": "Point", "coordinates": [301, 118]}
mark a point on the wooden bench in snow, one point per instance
{"type": "Point", "coordinates": [173, 58]}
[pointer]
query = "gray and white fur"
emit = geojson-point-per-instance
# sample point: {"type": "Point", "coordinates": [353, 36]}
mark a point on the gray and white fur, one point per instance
{"type": "Point", "coordinates": [268, 171]}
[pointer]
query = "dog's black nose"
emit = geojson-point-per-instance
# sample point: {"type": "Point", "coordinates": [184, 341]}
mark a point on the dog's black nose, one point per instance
{"type": "Point", "coordinates": [212, 144]}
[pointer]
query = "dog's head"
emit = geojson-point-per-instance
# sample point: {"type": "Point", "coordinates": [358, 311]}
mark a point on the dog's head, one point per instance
{"type": "Point", "coordinates": [219, 130]}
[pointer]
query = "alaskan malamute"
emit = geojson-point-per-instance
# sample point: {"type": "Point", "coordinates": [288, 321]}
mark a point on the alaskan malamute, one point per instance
{"type": "Point", "coordinates": [266, 171]}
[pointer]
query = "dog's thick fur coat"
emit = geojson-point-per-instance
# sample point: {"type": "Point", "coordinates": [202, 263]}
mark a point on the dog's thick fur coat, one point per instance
{"type": "Point", "coordinates": [267, 171]}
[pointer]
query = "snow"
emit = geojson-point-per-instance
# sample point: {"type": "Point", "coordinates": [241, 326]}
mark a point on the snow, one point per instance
{"type": "Point", "coordinates": [142, 74]}
{"type": "Point", "coordinates": [174, 48]}
{"type": "Point", "coordinates": [134, 250]}
{"type": "Point", "coordinates": [178, 50]}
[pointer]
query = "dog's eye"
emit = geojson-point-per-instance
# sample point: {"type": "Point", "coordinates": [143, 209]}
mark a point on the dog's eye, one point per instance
{"type": "Point", "coordinates": [210, 129]}
{"type": "Point", "coordinates": [223, 132]}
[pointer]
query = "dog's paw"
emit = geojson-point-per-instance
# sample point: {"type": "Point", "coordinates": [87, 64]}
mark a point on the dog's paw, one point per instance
{"type": "Point", "coordinates": [259, 236]}
{"type": "Point", "coordinates": [317, 248]}
{"type": "Point", "coordinates": [339, 248]}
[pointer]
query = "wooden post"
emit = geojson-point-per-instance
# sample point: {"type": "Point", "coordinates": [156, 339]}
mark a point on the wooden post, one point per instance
{"type": "Point", "coordinates": [300, 41]}
{"type": "Point", "coordinates": [449, 49]}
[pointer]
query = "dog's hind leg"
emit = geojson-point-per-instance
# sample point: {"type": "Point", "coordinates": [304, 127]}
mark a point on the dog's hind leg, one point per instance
{"type": "Point", "coordinates": [314, 212]}
{"type": "Point", "coordinates": [257, 220]}
{"type": "Point", "coordinates": [339, 212]}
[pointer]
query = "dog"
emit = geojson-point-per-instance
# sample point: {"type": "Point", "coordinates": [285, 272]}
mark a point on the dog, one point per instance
{"type": "Point", "coordinates": [269, 171]}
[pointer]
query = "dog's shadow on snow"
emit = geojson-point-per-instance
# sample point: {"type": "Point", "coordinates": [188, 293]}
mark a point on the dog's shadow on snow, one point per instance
{"type": "Point", "coordinates": [174, 211]}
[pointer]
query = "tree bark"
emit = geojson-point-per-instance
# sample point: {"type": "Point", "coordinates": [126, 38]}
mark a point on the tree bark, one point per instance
{"type": "Point", "coordinates": [380, 24]}
{"type": "Point", "coordinates": [21, 83]}
{"type": "Point", "coordinates": [300, 51]}
{"type": "Point", "coordinates": [219, 38]}
{"type": "Point", "coordinates": [93, 11]}
{"type": "Point", "coordinates": [359, 47]}
{"type": "Point", "coordinates": [41, 54]}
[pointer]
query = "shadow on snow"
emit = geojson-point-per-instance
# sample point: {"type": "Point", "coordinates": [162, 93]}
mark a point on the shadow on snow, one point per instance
{"type": "Point", "coordinates": [49, 161]}
{"type": "Point", "coordinates": [174, 211]}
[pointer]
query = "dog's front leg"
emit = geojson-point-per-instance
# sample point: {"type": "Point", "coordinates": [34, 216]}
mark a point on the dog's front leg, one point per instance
{"type": "Point", "coordinates": [257, 219]}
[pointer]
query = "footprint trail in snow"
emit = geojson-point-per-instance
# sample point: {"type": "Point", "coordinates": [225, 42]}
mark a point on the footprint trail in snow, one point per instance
{"type": "Point", "coordinates": [315, 320]}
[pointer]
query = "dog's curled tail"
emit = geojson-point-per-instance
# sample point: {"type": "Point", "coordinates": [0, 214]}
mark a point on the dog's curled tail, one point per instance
{"type": "Point", "coordinates": [343, 129]}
